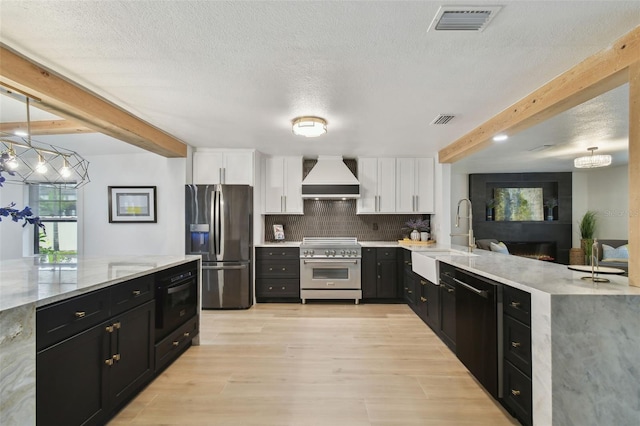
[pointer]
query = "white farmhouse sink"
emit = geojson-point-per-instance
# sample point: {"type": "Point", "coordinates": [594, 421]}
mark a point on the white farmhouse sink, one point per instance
{"type": "Point", "coordinates": [425, 264]}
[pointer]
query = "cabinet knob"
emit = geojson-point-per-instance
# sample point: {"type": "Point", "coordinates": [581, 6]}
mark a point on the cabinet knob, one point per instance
{"type": "Point", "coordinates": [423, 282]}
{"type": "Point", "coordinates": [186, 334]}
{"type": "Point", "coordinates": [116, 325]}
{"type": "Point", "coordinates": [176, 343]}
{"type": "Point", "coordinates": [109, 361]}
{"type": "Point", "coordinates": [424, 299]}
{"type": "Point", "coordinates": [378, 276]}
{"type": "Point", "coordinates": [80, 314]}
{"type": "Point", "coordinates": [515, 392]}
{"type": "Point", "coordinates": [271, 269]}
{"type": "Point", "coordinates": [109, 329]}
{"type": "Point", "coordinates": [116, 357]}
{"type": "Point", "coordinates": [284, 269]}
{"type": "Point", "coordinates": [283, 253]}
{"type": "Point", "coordinates": [270, 288]}
{"type": "Point", "coordinates": [270, 254]}
{"type": "Point", "coordinates": [450, 290]}
{"type": "Point", "coordinates": [410, 292]}
{"type": "Point", "coordinates": [516, 304]}
{"type": "Point", "coordinates": [283, 287]}
{"type": "Point", "coordinates": [136, 292]}
{"type": "Point", "coordinates": [516, 344]}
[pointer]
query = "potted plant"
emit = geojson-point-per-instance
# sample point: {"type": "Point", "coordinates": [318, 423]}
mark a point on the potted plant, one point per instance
{"type": "Point", "coordinates": [491, 203]}
{"type": "Point", "coordinates": [416, 226]}
{"type": "Point", "coordinates": [550, 204]}
{"type": "Point", "coordinates": [587, 226]}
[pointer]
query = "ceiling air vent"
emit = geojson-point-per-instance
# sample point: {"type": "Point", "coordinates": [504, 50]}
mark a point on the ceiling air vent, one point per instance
{"type": "Point", "coordinates": [452, 18]}
{"type": "Point", "coordinates": [443, 119]}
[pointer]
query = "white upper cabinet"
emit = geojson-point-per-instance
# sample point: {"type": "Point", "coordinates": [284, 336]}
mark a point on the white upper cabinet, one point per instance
{"type": "Point", "coordinates": [377, 177]}
{"type": "Point", "coordinates": [234, 167]}
{"type": "Point", "coordinates": [415, 185]}
{"type": "Point", "coordinates": [283, 185]}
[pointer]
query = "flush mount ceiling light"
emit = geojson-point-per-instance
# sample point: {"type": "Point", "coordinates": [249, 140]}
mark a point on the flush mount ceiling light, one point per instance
{"type": "Point", "coordinates": [592, 161]}
{"type": "Point", "coordinates": [500, 138]}
{"type": "Point", "coordinates": [309, 127]}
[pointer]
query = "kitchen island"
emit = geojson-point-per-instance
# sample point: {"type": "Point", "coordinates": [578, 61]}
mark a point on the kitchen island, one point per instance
{"type": "Point", "coordinates": [27, 284]}
{"type": "Point", "coordinates": [585, 340]}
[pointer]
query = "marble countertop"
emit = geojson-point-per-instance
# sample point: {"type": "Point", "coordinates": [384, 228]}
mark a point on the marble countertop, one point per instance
{"type": "Point", "coordinates": [362, 243]}
{"type": "Point", "coordinates": [530, 274]}
{"type": "Point", "coordinates": [25, 281]}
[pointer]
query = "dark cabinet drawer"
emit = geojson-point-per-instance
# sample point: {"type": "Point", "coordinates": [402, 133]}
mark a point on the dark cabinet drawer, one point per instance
{"type": "Point", "coordinates": [278, 268]}
{"type": "Point", "coordinates": [66, 318]}
{"type": "Point", "coordinates": [278, 288]}
{"type": "Point", "coordinates": [131, 293]}
{"type": "Point", "coordinates": [517, 303]}
{"type": "Point", "coordinates": [517, 393]}
{"type": "Point", "coordinates": [517, 344]}
{"type": "Point", "coordinates": [387, 253]}
{"type": "Point", "coordinates": [175, 343]}
{"type": "Point", "coordinates": [277, 253]}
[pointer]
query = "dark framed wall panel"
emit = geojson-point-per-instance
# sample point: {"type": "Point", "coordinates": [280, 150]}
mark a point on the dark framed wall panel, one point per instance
{"type": "Point", "coordinates": [554, 185]}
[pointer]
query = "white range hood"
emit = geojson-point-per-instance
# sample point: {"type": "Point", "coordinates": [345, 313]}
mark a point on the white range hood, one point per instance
{"type": "Point", "coordinates": [330, 178]}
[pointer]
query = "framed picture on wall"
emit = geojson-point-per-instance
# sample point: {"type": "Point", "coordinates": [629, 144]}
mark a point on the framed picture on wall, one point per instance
{"type": "Point", "coordinates": [132, 204]}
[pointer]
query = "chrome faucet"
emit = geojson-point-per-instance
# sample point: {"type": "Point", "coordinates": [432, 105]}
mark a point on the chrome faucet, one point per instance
{"type": "Point", "coordinates": [472, 240]}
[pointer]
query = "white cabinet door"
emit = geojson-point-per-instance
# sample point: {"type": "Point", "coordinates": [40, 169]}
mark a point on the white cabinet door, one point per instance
{"type": "Point", "coordinates": [238, 168]}
{"type": "Point", "coordinates": [207, 168]}
{"type": "Point", "coordinates": [368, 178]}
{"type": "Point", "coordinates": [273, 185]}
{"type": "Point", "coordinates": [283, 185]}
{"type": "Point", "coordinates": [405, 185]}
{"type": "Point", "coordinates": [386, 185]}
{"type": "Point", "coordinates": [425, 185]}
{"type": "Point", "coordinates": [415, 185]}
{"type": "Point", "coordinates": [377, 177]}
{"type": "Point", "coordinates": [293, 185]}
{"type": "Point", "coordinates": [227, 167]}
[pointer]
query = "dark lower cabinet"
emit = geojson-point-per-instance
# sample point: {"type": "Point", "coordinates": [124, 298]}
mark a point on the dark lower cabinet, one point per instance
{"type": "Point", "coordinates": [448, 314]}
{"type": "Point", "coordinates": [277, 273]}
{"type": "Point", "coordinates": [86, 377]}
{"type": "Point", "coordinates": [517, 354]}
{"type": "Point", "coordinates": [379, 273]}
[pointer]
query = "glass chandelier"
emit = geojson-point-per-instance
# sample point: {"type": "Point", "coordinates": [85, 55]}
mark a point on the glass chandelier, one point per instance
{"type": "Point", "coordinates": [592, 161]}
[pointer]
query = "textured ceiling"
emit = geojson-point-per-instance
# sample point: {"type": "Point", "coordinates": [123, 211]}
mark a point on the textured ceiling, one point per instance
{"type": "Point", "coordinates": [234, 74]}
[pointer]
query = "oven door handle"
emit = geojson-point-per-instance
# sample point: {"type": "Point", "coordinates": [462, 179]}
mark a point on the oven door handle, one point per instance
{"type": "Point", "coordinates": [178, 288]}
{"type": "Point", "coordinates": [218, 268]}
{"type": "Point", "coordinates": [354, 261]}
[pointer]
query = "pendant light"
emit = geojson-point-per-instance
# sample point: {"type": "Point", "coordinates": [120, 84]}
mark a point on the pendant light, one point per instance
{"type": "Point", "coordinates": [592, 161]}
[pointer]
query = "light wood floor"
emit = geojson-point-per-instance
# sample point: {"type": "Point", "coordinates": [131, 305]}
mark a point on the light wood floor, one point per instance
{"type": "Point", "coordinates": [315, 364]}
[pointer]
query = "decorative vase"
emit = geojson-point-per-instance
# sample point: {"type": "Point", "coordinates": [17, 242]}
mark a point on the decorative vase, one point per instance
{"type": "Point", "coordinates": [424, 236]}
{"type": "Point", "coordinates": [549, 213]}
{"type": "Point", "coordinates": [415, 235]}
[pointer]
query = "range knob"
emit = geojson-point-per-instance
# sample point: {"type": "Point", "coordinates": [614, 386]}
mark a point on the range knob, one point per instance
{"type": "Point", "coordinates": [311, 252]}
{"type": "Point", "coordinates": [342, 252]}
{"type": "Point", "coordinates": [333, 252]}
{"type": "Point", "coordinates": [327, 252]}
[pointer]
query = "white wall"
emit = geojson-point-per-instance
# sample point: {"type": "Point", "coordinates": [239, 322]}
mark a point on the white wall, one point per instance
{"type": "Point", "coordinates": [12, 234]}
{"type": "Point", "coordinates": [608, 194]}
{"type": "Point", "coordinates": [99, 237]}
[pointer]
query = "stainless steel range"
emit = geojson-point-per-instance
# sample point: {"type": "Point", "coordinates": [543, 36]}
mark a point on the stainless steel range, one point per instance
{"type": "Point", "coordinates": [330, 268]}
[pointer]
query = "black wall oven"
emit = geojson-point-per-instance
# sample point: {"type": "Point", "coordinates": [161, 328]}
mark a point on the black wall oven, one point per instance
{"type": "Point", "coordinates": [176, 297]}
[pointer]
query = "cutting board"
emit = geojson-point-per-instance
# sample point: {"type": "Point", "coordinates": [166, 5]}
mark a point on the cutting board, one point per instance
{"type": "Point", "coordinates": [417, 243]}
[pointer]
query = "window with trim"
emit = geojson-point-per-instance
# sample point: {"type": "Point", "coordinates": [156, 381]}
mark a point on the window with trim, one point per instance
{"type": "Point", "coordinates": [57, 207]}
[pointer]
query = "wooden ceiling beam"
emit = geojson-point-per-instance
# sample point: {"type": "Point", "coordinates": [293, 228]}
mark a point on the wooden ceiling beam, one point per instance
{"type": "Point", "coordinates": [594, 76]}
{"type": "Point", "coordinates": [46, 127]}
{"type": "Point", "coordinates": [71, 101]}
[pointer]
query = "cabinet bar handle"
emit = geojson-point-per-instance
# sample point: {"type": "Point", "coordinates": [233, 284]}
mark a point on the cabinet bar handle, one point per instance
{"type": "Point", "coordinates": [109, 361]}
{"type": "Point", "coordinates": [136, 292]}
{"type": "Point", "coordinates": [516, 304]}
{"type": "Point", "coordinates": [515, 392]}
{"type": "Point", "coordinates": [80, 314]}
{"type": "Point", "coordinates": [516, 344]}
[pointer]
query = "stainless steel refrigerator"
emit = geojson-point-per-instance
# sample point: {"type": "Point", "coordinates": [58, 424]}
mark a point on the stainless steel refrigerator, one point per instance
{"type": "Point", "coordinates": [219, 228]}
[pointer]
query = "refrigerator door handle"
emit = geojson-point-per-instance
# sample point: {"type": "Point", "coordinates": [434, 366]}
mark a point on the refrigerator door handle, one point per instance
{"type": "Point", "coordinates": [219, 268]}
{"type": "Point", "coordinates": [221, 220]}
{"type": "Point", "coordinates": [213, 220]}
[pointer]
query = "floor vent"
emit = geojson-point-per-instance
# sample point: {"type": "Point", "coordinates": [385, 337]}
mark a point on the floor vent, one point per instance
{"type": "Point", "coordinates": [452, 18]}
{"type": "Point", "coordinates": [443, 119]}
